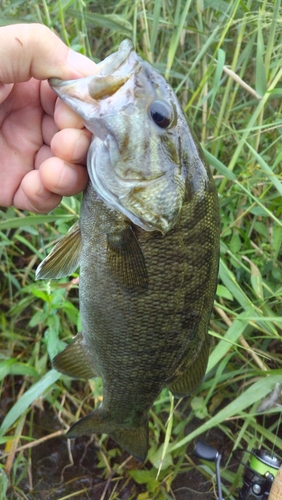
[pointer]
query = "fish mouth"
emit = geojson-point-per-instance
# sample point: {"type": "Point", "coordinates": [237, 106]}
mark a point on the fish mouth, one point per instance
{"type": "Point", "coordinates": [114, 71]}
{"type": "Point", "coordinates": [89, 88]}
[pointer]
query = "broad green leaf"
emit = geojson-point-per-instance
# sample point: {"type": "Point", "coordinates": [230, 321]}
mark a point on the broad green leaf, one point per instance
{"type": "Point", "coordinates": [4, 483]}
{"type": "Point", "coordinates": [256, 278]}
{"type": "Point", "coordinates": [222, 291]}
{"type": "Point", "coordinates": [235, 243]}
{"type": "Point", "coordinates": [51, 335]}
{"type": "Point", "coordinates": [12, 367]}
{"type": "Point", "coordinates": [160, 458]}
{"type": "Point", "coordinates": [34, 392]}
{"type": "Point", "coordinates": [141, 476]}
{"type": "Point", "coordinates": [199, 407]}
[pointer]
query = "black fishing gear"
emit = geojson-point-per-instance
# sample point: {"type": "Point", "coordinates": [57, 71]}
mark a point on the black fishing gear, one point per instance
{"type": "Point", "coordinates": [262, 477]}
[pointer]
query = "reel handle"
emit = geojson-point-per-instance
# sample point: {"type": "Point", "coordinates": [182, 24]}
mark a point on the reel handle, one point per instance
{"type": "Point", "coordinates": [207, 452]}
{"type": "Point", "coordinates": [276, 488]}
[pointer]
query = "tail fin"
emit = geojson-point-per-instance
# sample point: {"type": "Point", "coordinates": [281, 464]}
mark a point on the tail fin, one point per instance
{"type": "Point", "coordinates": [133, 439]}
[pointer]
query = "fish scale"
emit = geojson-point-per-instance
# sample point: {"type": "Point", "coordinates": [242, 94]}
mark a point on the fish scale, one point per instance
{"type": "Point", "coordinates": [148, 246]}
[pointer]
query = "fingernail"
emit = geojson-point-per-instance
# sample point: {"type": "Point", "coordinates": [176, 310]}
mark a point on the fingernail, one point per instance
{"type": "Point", "coordinates": [81, 63]}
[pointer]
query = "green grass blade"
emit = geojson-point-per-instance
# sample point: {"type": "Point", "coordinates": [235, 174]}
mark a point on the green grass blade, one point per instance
{"type": "Point", "coordinates": [31, 220]}
{"type": "Point", "coordinates": [176, 37]}
{"type": "Point", "coordinates": [230, 338]}
{"type": "Point", "coordinates": [267, 170]}
{"type": "Point", "coordinates": [156, 23]}
{"type": "Point", "coordinates": [260, 67]}
{"type": "Point", "coordinates": [253, 394]}
{"type": "Point", "coordinates": [218, 165]}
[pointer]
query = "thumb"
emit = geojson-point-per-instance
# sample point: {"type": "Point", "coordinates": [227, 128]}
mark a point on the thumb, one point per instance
{"type": "Point", "coordinates": [33, 50]}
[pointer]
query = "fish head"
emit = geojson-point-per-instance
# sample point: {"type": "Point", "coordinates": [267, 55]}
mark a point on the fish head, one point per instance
{"type": "Point", "coordinates": [143, 150]}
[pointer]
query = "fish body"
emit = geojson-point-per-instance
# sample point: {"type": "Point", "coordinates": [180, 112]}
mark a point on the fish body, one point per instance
{"type": "Point", "coordinates": [147, 243]}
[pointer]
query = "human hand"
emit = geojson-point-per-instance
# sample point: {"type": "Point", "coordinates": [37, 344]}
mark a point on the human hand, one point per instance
{"type": "Point", "coordinates": [43, 143]}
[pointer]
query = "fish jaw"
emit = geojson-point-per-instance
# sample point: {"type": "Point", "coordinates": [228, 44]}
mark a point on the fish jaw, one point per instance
{"type": "Point", "coordinates": [133, 164]}
{"type": "Point", "coordinates": [90, 95]}
{"type": "Point", "coordinates": [82, 96]}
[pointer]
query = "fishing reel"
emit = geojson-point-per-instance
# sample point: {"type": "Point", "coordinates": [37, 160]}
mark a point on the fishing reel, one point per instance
{"type": "Point", "coordinates": [259, 476]}
{"type": "Point", "coordinates": [262, 476]}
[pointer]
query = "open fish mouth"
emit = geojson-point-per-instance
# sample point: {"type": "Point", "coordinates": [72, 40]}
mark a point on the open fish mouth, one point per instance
{"type": "Point", "coordinates": [89, 88]}
{"type": "Point", "coordinates": [136, 161]}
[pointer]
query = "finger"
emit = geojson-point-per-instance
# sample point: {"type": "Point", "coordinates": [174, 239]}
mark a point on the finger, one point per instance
{"type": "Point", "coordinates": [32, 50]}
{"type": "Point", "coordinates": [5, 90]}
{"type": "Point", "coordinates": [65, 117]}
{"type": "Point", "coordinates": [54, 107]}
{"type": "Point", "coordinates": [43, 154]}
{"type": "Point", "coordinates": [48, 98]}
{"type": "Point", "coordinates": [65, 179]}
{"type": "Point", "coordinates": [71, 145]}
{"type": "Point", "coordinates": [49, 129]}
{"type": "Point", "coordinates": [33, 196]}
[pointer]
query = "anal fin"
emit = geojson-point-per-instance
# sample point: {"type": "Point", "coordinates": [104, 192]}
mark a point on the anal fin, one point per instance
{"type": "Point", "coordinates": [63, 259]}
{"type": "Point", "coordinates": [73, 361]}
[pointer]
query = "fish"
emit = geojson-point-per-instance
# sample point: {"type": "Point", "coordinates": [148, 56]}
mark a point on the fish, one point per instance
{"type": "Point", "coordinates": [147, 243]}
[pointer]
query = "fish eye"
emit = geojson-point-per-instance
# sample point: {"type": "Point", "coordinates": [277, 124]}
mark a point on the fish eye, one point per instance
{"type": "Point", "coordinates": [161, 113]}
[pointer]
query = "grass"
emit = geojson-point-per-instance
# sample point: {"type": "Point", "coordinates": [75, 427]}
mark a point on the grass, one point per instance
{"type": "Point", "coordinates": [224, 60]}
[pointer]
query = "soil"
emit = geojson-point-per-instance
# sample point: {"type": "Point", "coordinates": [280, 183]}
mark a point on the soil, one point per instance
{"type": "Point", "coordinates": [54, 473]}
{"type": "Point", "coordinates": [60, 469]}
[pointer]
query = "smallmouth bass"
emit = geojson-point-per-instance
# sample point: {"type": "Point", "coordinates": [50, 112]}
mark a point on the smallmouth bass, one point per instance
{"type": "Point", "coordinates": [147, 244]}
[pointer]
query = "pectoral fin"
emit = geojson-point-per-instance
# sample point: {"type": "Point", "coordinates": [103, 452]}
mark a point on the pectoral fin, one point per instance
{"type": "Point", "coordinates": [64, 257]}
{"type": "Point", "coordinates": [74, 360]}
{"type": "Point", "coordinates": [126, 260]}
{"type": "Point", "coordinates": [191, 377]}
